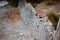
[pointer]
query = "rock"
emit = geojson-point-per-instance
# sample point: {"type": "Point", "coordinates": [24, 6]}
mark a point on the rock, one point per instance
{"type": "Point", "coordinates": [28, 14]}
{"type": "Point", "coordinates": [57, 33]}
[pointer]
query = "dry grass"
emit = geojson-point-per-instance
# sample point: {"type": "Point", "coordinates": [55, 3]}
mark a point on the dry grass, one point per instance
{"type": "Point", "coordinates": [14, 14]}
{"type": "Point", "coordinates": [42, 9]}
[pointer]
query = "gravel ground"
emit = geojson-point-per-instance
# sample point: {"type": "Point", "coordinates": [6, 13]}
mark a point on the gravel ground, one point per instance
{"type": "Point", "coordinates": [12, 27]}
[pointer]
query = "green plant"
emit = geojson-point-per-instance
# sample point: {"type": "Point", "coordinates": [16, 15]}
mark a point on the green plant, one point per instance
{"type": "Point", "coordinates": [53, 18]}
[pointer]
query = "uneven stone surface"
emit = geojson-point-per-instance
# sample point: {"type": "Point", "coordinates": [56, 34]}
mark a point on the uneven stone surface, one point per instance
{"type": "Point", "coordinates": [35, 24]}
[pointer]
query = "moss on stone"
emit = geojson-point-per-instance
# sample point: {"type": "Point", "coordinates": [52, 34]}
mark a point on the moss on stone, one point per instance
{"type": "Point", "coordinates": [53, 18]}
